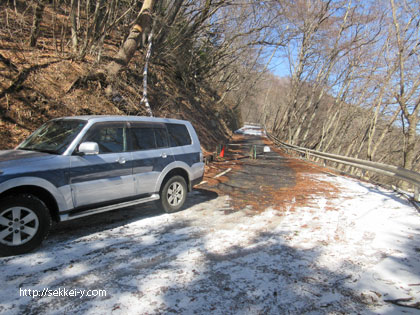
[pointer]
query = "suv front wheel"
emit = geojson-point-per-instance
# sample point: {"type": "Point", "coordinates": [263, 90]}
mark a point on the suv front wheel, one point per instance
{"type": "Point", "coordinates": [173, 194]}
{"type": "Point", "coordinates": [24, 223]}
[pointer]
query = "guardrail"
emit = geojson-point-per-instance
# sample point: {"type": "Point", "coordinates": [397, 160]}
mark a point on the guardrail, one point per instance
{"type": "Point", "coordinates": [383, 169]}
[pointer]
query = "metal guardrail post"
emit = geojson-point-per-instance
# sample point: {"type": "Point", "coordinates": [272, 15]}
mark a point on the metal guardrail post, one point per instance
{"type": "Point", "coordinates": [253, 152]}
{"type": "Point", "coordinates": [416, 194]}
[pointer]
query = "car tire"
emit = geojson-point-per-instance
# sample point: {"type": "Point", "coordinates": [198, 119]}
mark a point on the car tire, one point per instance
{"type": "Point", "coordinates": [173, 194]}
{"type": "Point", "coordinates": [25, 222]}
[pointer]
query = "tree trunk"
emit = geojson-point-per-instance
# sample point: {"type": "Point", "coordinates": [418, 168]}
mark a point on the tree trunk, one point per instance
{"type": "Point", "coordinates": [409, 152]}
{"type": "Point", "coordinates": [146, 65]}
{"type": "Point", "coordinates": [140, 30]}
{"type": "Point", "coordinates": [173, 12]}
{"type": "Point", "coordinates": [39, 10]}
{"type": "Point", "coordinates": [74, 24]}
{"type": "Point", "coordinates": [93, 30]}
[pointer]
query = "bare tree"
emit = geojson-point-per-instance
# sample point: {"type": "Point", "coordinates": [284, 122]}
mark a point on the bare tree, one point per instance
{"type": "Point", "coordinates": [39, 6]}
{"type": "Point", "coordinates": [406, 24]}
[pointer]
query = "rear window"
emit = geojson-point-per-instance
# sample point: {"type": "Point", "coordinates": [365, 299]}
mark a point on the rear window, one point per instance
{"type": "Point", "coordinates": [161, 138]}
{"type": "Point", "coordinates": [178, 135]}
{"type": "Point", "coordinates": [143, 139]}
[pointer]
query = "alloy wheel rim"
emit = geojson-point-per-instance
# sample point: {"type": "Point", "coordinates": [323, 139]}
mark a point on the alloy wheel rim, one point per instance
{"type": "Point", "coordinates": [175, 194]}
{"type": "Point", "coordinates": [18, 225]}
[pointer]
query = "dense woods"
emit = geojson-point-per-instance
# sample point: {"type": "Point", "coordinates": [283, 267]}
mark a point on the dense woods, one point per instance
{"type": "Point", "coordinates": [351, 86]}
{"type": "Point", "coordinates": [353, 82]}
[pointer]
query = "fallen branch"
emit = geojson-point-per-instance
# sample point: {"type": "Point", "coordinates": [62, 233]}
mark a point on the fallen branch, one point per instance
{"type": "Point", "coordinates": [223, 173]}
{"type": "Point", "coordinates": [401, 302]}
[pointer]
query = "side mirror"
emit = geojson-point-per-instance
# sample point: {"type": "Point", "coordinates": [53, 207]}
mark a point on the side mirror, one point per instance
{"type": "Point", "coordinates": [89, 148]}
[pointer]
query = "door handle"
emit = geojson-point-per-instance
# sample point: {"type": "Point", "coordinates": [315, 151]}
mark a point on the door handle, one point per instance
{"type": "Point", "coordinates": [164, 155]}
{"type": "Point", "coordinates": [121, 160]}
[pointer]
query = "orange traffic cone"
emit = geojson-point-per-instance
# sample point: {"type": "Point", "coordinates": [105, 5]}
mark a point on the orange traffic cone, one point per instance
{"type": "Point", "coordinates": [222, 152]}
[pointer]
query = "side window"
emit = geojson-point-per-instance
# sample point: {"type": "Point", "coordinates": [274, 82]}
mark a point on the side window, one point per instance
{"type": "Point", "coordinates": [110, 138]}
{"type": "Point", "coordinates": [161, 138]}
{"type": "Point", "coordinates": [178, 135]}
{"type": "Point", "coordinates": [143, 138]}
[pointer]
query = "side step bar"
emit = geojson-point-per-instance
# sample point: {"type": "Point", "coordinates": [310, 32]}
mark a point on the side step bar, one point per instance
{"type": "Point", "coordinates": [67, 217]}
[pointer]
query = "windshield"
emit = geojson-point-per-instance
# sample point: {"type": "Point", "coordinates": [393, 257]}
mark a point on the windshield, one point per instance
{"type": "Point", "coordinates": [54, 136]}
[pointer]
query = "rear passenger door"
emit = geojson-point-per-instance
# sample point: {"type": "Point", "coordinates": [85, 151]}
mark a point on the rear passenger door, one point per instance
{"type": "Point", "coordinates": [151, 154]}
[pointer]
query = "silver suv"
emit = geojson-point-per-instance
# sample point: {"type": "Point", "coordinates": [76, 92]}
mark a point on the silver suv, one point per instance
{"type": "Point", "coordinates": [77, 166]}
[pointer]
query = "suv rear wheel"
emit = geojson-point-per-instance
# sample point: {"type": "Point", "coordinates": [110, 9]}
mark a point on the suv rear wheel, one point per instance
{"type": "Point", "coordinates": [173, 194]}
{"type": "Point", "coordinates": [24, 223]}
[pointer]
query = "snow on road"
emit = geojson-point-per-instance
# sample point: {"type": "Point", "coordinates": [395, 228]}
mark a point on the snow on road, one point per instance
{"type": "Point", "coordinates": [210, 259]}
{"type": "Point", "coordinates": [347, 254]}
{"type": "Point", "coordinates": [251, 130]}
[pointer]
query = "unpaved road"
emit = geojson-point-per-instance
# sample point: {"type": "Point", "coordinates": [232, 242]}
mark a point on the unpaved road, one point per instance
{"type": "Point", "coordinates": [270, 237]}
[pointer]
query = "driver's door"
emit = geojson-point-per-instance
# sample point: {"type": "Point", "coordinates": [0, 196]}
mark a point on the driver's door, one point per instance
{"type": "Point", "coordinates": [103, 178]}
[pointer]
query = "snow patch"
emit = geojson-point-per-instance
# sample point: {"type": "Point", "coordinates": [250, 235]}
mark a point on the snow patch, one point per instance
{"type": "Point", "coordinates": [251, 130]}
{"type": "Point", "coordinates": [345, 258]}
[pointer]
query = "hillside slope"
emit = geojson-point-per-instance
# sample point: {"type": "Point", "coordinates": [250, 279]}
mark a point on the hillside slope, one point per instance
{"type": "Point", "coordinates": [36, 85]}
